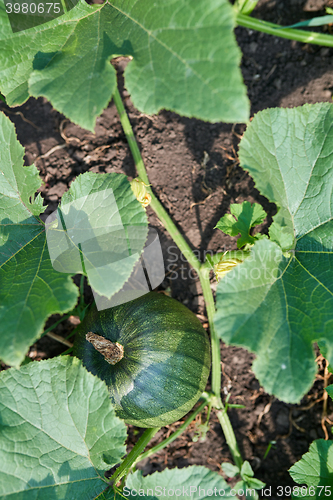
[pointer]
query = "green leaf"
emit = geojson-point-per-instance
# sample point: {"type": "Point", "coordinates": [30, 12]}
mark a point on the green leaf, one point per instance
{"type": "Point", "coordinates": [58, 432]}
{"type": "Point", "coordinates": [246, 470]}
{"type": "Point", "coordinates": [329, 390]}
{"type": "Point", "coordinates": [315, 21]}
{"type": "Point", "coordinates": [191, 482]}
{"type": "Point", "coordinates": [185, 59]}
{"type": "Point", "coordinates": [244, 217]}
{"type": "Point", "coordinates": [274, 304]}
{"type": "Point", "coordinates": [243, 488]}
{"type": "Point", "coordinates": [245, 6]}
{"type": "Point", "coordinates": [247, 476]}
{"type": "Point", "coordinates": [4, 22]}
{"type": "Point", "coordinates": [324, 351]}
{"type": "Point", "coordinates": [240, 485]}
{"type": "Point", "coordinates": [315, 469]}
{"type": "Point", "coordinates": [30, 289]}
{"type": "Point", "coordinates": [18, 183]}
{"type": "Point", "coordinates": [252, 482]}
{"type": "Point", "coordinates": [229, 469]}
{"type": "Point", "coordinates": [282, 236]}
{"type": "Point", "coordinates": [100, 230]}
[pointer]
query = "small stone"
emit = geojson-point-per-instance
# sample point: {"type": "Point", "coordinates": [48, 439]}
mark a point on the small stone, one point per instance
{"type": "Point", "coordinates": [324, 52]}
{"type": "Point", "coordinates": [282, 419]}
{"type": "Point", "coordinates": [74, 320]}
{"type": "Point", "coordinates": [237, 360]}
{"type": "Point", "coordinates": [57, 190]}
{"type": "Point", "coordinates": [314, 5]}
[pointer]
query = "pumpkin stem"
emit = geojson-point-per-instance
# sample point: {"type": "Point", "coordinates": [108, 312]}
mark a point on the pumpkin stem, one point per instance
{"type": "Point", "coordinates": [112, 352]}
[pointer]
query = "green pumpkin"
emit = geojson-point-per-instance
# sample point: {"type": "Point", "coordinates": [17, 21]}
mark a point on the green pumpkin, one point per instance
{"type": "Point", "coordinates": [157, 363]}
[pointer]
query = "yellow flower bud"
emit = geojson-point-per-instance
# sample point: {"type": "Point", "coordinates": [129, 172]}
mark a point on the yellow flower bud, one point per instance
{"type": "Point", "coordinates": [225, 266]}
{"type": "Point", "coordinates": [140, 191]}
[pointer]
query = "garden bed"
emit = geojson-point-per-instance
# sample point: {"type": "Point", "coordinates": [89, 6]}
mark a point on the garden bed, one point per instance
{"type": "Point", "coordinates": [193, 168]}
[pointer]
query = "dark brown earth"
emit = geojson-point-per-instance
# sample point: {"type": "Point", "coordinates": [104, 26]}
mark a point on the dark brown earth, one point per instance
{"type": "Point", "coordinates": [193, 169]}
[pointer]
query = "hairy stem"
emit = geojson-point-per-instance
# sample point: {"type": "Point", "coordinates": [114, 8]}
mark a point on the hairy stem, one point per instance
{"type": "Point", "coordinates": [155, 204]}
{"type": "Point", "coordinates": [230, 437]}
{"type": "Point", "coordinates": [215, 341]}
{"type": "Point", "coordinates": [131, 458]}
{"type": "Point", "coordinates": [173, 436]}
{"type": "Point", "coordinates": [201, 269]}
{"type": "Point", "coordinates": [64, 6]}
{"type": "Point", "coordinates": [216, 369]}
{"type": "Point", "coordinates": [127, 127]}
{"type": "Point", "coordinates": [290, 33]}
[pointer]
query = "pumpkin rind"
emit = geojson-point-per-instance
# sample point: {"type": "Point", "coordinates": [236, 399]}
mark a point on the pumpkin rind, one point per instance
{"type": "Point", "coordinates": [166, 359]}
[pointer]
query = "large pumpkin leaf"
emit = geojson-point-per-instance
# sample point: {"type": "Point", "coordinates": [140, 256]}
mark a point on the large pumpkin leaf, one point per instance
{"type": "Point", "coordinates": [100, 230]}
{"type": "Point", "coordinates": [58, 432]}
{"type": "Point", "coordinates": [186, 481]}
{"type": "Point", "coordinates": [193, 482]}
{"type": "Point", "coordinates": [107, 229]}
{"type": "Point", "coordinates": [185, 59]}
{"type": "Point", "coordinates": [315, 469]}
{"type": "Point", "coordinates": [5, 30]}
{"type": "Point", "coordinates": [277, 303]}
{"type": "Point", "coordinates": [30, 289]}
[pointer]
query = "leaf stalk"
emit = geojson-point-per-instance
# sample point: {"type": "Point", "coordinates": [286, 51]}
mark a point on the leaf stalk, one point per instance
{"type": "Point", "coordinates": [155, 203]}
{"type": "Point", "coordinates": [133, 455]}
{"type": "Point", "coordinates": [173, 436]}
{"type": "Point", "coordinates": [289, 33]}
